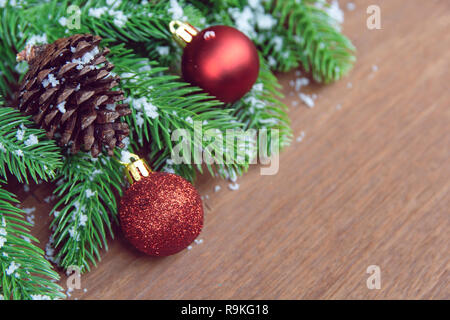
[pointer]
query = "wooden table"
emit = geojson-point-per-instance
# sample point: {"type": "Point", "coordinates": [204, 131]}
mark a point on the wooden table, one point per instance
{"type": "Point", "coordinates": [368, 185]}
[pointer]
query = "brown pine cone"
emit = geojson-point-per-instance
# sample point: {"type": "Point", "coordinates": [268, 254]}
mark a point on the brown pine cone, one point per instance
{"type": "Point", "coordinates": [68, 91]}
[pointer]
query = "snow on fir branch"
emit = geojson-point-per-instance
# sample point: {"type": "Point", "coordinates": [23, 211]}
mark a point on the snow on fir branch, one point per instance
{"type": "Point", "coordinates": [83, 217]}
{"type": "Point", "coordinates": [26, 274]}
{"type": "Point", "coordinates": [24, 150]}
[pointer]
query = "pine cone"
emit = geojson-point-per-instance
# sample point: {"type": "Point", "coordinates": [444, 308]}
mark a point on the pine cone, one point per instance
{"type": "Point", "coordinates": [68, 91]}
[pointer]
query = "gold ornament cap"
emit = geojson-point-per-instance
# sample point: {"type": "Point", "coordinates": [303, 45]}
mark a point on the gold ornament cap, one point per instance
{"type": "Point", "coordinates": [182, 32]}
{"type": "Point", "coordinates": [136, 169]}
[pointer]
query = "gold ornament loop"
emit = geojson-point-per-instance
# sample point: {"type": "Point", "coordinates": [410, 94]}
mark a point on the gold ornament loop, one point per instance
{"type": "Point", "coordinates": [182, 32]}
{"type": "Point", "coordinates": [137, 169]}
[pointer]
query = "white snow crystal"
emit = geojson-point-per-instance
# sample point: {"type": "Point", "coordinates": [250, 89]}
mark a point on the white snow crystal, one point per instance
{"type": "Point", "coordinates": [233, 186]}
{"type": "Point", "coordinates": [111, 107]}
{"type": "Point", "coordinates": [22, 67]}
{"type": "Point", "coordinates": [300, 82]}
{"type": "Point", "coordinates": [308, 100]}
{"type": "Point", "coordinates": [120, 19]}
{"type": "Point", "coordinates": [50, 80]}
{"type": "Point", "coordinates": [176, 10]}
{"type": "Point", "coordinates": [144, 105]}
{"type": "Point", "coordinates": [36, 39]}
{"type": "Point", "coordinates": [32, 140]}
{"type": "Point", "coordinates": [63, 21]}
{"type": "Point", "coordinates": [61, 107]}
{"type": "Point", "coordinates": [19, 153]}
{"type": "Point", "coordinates": [301, 136]}
{"type": "Point", "coordinates": [83, 220]}
{"type": "Point", "coordinates": [89, 193]}
{"type": "Point", "coordinates": [126, 156]}
{"type": "Point", "coordinates": [20, 134]}
{"type": "Point", "coordinates": [163, 50]}
{"type": "Point", "coordinates": [217, 188]}
{"type": "Point", "coordinates": [74, 233]}
{"type": "Point", "coordinates": [97, 12]}
{"type": "Point", "coordinates": [3, 233]}
{"type": "Point", "coordinates": [351, 6]}
{"type": "Point", "coordinates": [12, 268]}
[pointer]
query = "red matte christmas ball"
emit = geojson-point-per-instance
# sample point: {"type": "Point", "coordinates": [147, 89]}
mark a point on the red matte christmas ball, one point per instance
{"type": "Point", "coordinates": [222, 61]}
{"type": "Point", "coordinates": [161, 214]}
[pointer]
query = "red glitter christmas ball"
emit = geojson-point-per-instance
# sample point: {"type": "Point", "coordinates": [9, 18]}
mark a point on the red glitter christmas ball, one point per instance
{"type": "Point", "coordinates": [222, 61]}
{"type": "Point", "coordinates": [161, 214]}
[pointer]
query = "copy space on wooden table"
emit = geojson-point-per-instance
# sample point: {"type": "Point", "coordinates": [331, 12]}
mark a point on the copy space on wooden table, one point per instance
{"type": "Point", "coordinates": [367, 183]}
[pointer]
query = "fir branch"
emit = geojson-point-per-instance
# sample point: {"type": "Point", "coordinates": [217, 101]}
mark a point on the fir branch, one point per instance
{"type": "Point", "coordinates": [25, 150]}
{"type": "Point", "coordinates": [25, 274]}
{"type": "Point", "coordinates": [81, 219]}
{"type": "Point", "coordinates": [12, 29]}
{"type": "Point", "coordinates": [325, 51]}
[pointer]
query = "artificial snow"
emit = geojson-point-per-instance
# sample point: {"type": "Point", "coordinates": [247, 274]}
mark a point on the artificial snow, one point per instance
{"type": "Point", "coordinates": [74, 233]}
{"type": "Point", "coordinates": [50, 80]}
{"type": "Point", "coordinates": [19, 153]}
{"type": "Point", "coordinates": [144, 105]}
{"type": "Point", "coordinates": [97, 12]}
{"type": "Point", "coordinates": [50, 251]}
{"type": "Point", "coordinates": [89, 193]}
{"type": "Point", "coordinates": [233, 186]}
{"type": "Point", "coordinates": [120, 19]}
{"type": "Point", "coordinates": [126, 156]}
{"type": "Point", "coordinates": [36, 39]}
{"type": "Point", "coordinates": [61, 107]}
{"type": "Point", "coordinates": [198, 241]}
{"type": "Point", "coordinates": [20, 134]}
{"type": "Point", "coordinates": [12, 268]}
{"type": "Point", "coordinates": [83, 220]}
{"type": "Point", "coordinates": [32, 140]}
{"type": "Point", "coordinates": [301, 136]}
{"type": "Point", "coordinates": [176, 10]}
{"type": "Point", "coordinates": [3, 233]}
{"type": "Point", "coordinates": [217, 188]}
{"type": "Point", "coordinates": [351, 6]}
{"type": "Point", "coordinates": [163, 50]}
{"type": "Point", "coordinates": [308, 100]}
{"type": "Point", "coordinates": [300, 82]}
{"type": "Point", "coordinates": [63, 21]}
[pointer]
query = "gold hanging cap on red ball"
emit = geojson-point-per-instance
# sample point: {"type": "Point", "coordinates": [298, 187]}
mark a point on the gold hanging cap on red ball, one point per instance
{"type": "Point", "coordinates": [182, 32]}
{"type": "Point", "coordinates": [136, 169]}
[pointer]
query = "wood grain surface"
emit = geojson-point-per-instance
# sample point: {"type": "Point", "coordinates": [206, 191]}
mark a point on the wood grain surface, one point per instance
{"type": "Point", "coordinates": [368, 185]}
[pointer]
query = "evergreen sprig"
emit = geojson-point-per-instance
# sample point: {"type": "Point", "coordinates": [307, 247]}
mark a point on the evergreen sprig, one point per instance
{"type": "Point", "coordinates": [313, 37]}
{"type": "Point", "coordinates": [25, 273]}
{"type": "Point", "coordinates": [25, 150]}
{"type": "Point", "coordinates": [82, 218]}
